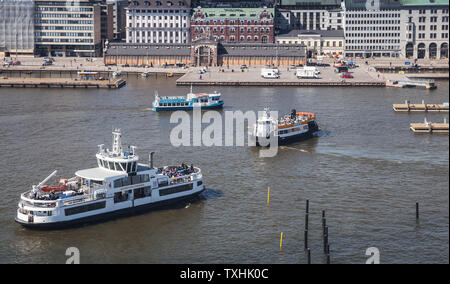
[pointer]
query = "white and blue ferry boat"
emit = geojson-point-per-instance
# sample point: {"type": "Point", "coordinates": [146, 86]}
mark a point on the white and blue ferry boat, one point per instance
{"type": "Point", "coordinates": [188, 102]}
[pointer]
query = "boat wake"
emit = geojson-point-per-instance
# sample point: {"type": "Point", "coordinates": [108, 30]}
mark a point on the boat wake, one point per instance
{"type": "Point", "coordinates": [295, 149]}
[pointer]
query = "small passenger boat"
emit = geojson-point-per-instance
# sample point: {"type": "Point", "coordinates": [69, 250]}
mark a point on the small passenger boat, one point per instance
{"type": "Point", "coordinates": [188, 102]}
{"type": "Point", "coordinates": [293, 127]}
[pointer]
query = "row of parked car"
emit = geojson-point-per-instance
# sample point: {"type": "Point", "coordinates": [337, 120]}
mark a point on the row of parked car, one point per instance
{"type": "Point", "coordinates": [11, 63]}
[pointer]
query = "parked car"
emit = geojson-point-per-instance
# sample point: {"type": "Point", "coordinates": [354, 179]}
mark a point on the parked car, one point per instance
{"type": "Point", "coordinates": [16, 63]}
{"type": "Point", "coordinates": [47, 63]}
{"type": "Point", "coordinates": [346, 75]}
{"type": "Point", "coordinates": [244, 67]}
{"type": "Point", "coordinates": [7, 63]}
{"type": "Point", "coordinates": [341, 69]}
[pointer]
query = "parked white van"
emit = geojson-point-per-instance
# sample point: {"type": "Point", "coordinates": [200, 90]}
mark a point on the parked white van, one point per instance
{"type": "Point", "coordinates": [307, 72]}
{"type": "Point", "coordinates": [270, 73]}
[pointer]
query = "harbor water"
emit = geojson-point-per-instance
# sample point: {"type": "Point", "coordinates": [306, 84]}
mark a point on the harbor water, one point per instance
{"type": "Point", "coordinates": [366, 169]}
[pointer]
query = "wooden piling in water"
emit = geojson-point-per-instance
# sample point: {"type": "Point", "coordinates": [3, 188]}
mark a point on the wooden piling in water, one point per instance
{"type": "Point", "coordinates": [306, 221]}
{"type": "Point", "coordinates": [306, 239]}
{"type": "Point", "coordinates": [309, 256]}
{"type": "Point", "coordinates": [417, 210]}
{"type": "Point", "coordinates": [324, 221]}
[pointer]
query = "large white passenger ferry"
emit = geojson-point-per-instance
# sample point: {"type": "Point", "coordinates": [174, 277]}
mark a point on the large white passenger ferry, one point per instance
{"type": "Point", "coordinates": [292, 127]}
{"type": "Point", "coordinates": [119, 185]}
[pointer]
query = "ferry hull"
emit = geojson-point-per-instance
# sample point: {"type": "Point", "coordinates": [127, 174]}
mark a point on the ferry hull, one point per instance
{"type": "Point", "coordinates": [295, 138]}
{"type": "Point", "coordinates": [111, 215]}
{"type": "Point", "coordinates": [188, 108]}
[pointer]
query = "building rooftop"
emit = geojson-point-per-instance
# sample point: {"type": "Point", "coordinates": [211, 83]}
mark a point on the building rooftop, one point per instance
{"type": "Point", "coordinates": [234, 49]}
{"type": "Point", "coordinates": [135, 49]}
{"type": "Point", "coordinates": [233, 13]}
{"type": "Point", "coordinates": [314, 3]}
{"type": "Point", "coordinates": [424, 2]}
{"type": "Point", "coordinates": [159, 4]}
{"type": "Point", "coordinates": [362, 4]}
{"type": "Point", "coordinates": [322, 33]}
{"type": "Point", "coordinates": [261, 49]}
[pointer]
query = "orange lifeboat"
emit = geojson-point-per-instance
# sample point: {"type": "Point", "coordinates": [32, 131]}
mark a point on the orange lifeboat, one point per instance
{"type": "Point", "coordinates": [57, 188]}
{"type": "Point", "coordinates": [310, 115]}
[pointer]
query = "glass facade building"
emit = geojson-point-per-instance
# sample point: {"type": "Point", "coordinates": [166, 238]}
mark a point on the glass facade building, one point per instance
{"type": "Point", "coordinates": [16, 27]}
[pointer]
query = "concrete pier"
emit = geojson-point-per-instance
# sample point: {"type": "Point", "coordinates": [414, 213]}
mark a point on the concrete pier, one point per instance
{"type": "Point", "coordinates": [60, 83]}
{"type": "Point", "coordinates": [429, 127]}
{"type": "Point", "coordinates": [408, 107]}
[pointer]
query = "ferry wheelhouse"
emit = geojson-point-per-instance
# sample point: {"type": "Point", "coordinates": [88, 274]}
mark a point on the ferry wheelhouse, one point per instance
{"type": "Point", "coordinates": [120, 185]}
{"type": "Point", "coordinates": [293, 127]}
{"type": "Point", "coordinates": [188, 102]}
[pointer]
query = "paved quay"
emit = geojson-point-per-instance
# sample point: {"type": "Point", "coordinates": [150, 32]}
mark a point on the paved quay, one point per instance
{"type": "Point", "coordinates": [252, 77]}
{"type": "Point", "coordinates": [368, 73]}
{"type": "Point", "coordinates": [67, 64]}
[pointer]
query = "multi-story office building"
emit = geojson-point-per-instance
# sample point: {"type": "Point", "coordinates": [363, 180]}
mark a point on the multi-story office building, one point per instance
{"type": "Point", "coordinates": [158, 21]}
{"type": "Point", "coordinates": [232, 25]}
{"type": "Point", "coordinates": [397, 28]}
{"type": "Point", "coordinates": [16, 27]}
{"type": "Point", "coordinates": [427, 28]}
{"type": "Point", "coordinates": [373, 31]}
{"type": "Point", "coordinates": [119, 19]}
{"type": "Point", "coordinates": [309, 15]}
{"type": "Point", "coordinates": [107, 21]}
{"type": "Point", "coordinates": [68, 28]}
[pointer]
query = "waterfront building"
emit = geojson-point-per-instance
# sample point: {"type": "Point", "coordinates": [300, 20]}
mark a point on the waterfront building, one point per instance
{"type": "Point", "coordinates": [158, 21]}
{"type": "Point", "coordinates": [68, 28]}
{"type": "Point", "coordinates": [107, 22]}
{"type": "Point", "coordinates": [373, 31]}
{"type": "Point", "coordinates": [16, 27]}
{"type": "Point", "coordinates": [205, 52]}
{"type": "Point", "coordinates": [119, 19]}
{"type": "Point", "coordinates": [309, 15]}
{"type": "Point", "coordinates": [426, 29]}
{"type": "Point", "coordinates": [320, 42]}
{"type": "Point", "coordinates": [231, 25]}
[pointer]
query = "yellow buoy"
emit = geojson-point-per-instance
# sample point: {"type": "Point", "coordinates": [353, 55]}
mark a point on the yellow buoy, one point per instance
{"type": "Point", "coordinates": [281, 240]}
